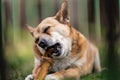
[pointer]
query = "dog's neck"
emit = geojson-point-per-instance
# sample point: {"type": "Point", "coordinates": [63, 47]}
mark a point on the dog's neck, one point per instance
{"type": "Point", "coordinates": [77, 41]}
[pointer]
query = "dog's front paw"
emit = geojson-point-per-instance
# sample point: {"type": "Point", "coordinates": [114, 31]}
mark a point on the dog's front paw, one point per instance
{"type": "Point", "coordinates": [29, 77]}
{"type": "Point", "coordinates": [52, 77]}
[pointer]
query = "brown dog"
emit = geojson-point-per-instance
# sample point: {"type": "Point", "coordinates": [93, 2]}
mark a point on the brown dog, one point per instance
{"type": "Point", "coordinates": [74, 55]}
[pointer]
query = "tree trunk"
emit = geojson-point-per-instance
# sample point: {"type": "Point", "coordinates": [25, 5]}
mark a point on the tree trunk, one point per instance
{"type": "Point", "coordinates": [39, 6]}
{"type": "Point", "coordinates": [7, 17]}
{"type": "Point", "coordinates": [2, 59]}
{"type": "Point", "coordinates": [56, 4]}
{"type": "Point", "coordinates": [75, 14]}
{"type": "Point", "coordinates": [22, 13]}
{"type": "Point", "coordinates": [109, 19]}
{"type": "Point", "coordinates": [91, 18]}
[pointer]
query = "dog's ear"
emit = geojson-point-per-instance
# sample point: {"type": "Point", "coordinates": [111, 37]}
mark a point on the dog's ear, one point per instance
{"type": "Point", "coordinates": [63, 14]}
{"type": "Point", "coordinates": [30, 29]}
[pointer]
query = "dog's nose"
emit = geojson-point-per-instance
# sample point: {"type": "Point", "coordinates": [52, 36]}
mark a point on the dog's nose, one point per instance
{"type": "Point", "coordinates": [43, 44]}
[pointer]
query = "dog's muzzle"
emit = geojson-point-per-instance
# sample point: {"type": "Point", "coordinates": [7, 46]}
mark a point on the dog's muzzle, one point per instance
{"type": "Point", "coordinates": [45, 44]}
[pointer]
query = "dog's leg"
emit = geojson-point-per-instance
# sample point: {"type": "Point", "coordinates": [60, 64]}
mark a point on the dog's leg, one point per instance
{"type": "Point", "coordinates": [97, 65]}
{"type": "Point", "coordinates": [65, 74]}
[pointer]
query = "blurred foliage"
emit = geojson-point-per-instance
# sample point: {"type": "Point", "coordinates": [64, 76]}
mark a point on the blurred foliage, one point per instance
{"type": "Point", "coordinates": [19, 55]}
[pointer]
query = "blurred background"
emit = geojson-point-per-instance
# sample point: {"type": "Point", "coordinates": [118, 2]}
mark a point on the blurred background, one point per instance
{"type": "Point", "coordinates": [98, 20]}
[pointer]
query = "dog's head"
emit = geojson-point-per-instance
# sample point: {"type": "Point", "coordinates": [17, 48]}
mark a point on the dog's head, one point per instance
{"type": "Point", "coordinates": [54, 32]}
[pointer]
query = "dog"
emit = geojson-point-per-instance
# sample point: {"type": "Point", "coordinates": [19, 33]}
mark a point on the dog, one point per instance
{"type": "Point", "coordinates": [74, 55]}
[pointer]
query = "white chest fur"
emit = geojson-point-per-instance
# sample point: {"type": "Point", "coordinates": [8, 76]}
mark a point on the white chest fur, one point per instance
{"type": "Point", "coordinates": [60, 64]}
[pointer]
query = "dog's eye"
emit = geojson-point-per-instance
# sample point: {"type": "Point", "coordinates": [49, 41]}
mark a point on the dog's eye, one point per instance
{"type": "Point", "coordinates": [46, 29]}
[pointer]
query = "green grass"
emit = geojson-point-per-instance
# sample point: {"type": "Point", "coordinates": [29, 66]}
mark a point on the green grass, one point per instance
{"type": "Point", "coordinates": [18, 70]}
{"type": "Point", "coordinates": [93, 76]}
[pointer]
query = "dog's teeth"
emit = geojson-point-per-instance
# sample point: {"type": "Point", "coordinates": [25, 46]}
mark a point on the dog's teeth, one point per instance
{"type": "Point", "coordinates": [46, 48]}
{"type": "Point", "coordinates": [54, 54]}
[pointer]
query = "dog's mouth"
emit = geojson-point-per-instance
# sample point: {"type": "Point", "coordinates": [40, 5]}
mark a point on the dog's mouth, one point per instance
{"type": "Point", "coordinates": [56, 49]}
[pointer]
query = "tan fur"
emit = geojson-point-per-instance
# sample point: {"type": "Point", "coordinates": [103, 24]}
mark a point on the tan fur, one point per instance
{"type": "Point", "coordinates": [83, 55]}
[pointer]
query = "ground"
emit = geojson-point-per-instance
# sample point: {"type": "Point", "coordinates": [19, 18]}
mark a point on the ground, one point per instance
{"type": "Point", "coordinates": [18, 71]}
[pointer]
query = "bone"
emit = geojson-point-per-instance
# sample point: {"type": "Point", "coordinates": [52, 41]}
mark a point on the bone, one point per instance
{"type": "Point", "coordinates": [45, 66]}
